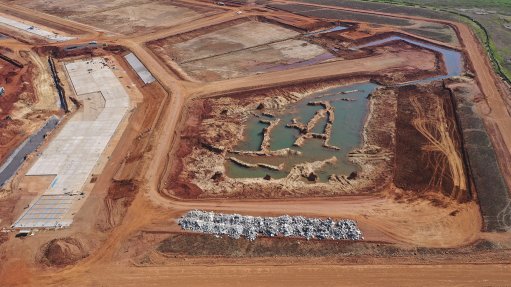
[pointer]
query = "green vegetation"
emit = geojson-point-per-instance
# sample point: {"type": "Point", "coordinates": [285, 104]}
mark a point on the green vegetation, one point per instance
{"type": "Point", "coordinates": [483, 4]}
{"type": "Point", "coordinates": [442, 37]}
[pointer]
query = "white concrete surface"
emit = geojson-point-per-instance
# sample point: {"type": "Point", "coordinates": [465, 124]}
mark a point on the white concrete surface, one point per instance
{"type": "Point", "coordinates": [34, 30]}
{"type": "Point", "coordinates": [74, 153]}
{"type": "Point", "coordinates": [141, 70]}
{"type": "Point", "coordinates": [47, 212]}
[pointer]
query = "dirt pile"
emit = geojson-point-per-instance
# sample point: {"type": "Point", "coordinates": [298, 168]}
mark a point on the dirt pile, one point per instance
{"type": "Point", "coordinates": [63, 251]}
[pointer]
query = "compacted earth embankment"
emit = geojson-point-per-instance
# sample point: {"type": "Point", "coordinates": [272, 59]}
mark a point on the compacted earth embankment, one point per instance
{"type": "Point", "coordinates": [492, 191]}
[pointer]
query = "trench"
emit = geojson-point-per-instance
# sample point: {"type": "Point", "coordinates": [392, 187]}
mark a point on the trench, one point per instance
{"type": "Point", "coordinates": [334, 29]}
{"type": "Point", "coordinates": [81, 46]}
{"type": "Point", "coordinates": [58, 86]}
{"type": "Point", "coordinates": [11, 61]}
{"type": "Point", "coordinates": [17, 157]}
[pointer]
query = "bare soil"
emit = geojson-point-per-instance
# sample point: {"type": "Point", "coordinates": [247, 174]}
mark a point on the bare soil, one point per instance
{"type": "Point", "coordinates": [20, 114]}
{"type": "Point", "coordinates": [125, 17]}
{"type": "Point", "coordinates": [118, 199]}
{"type": "Point", "coordinates": [417, 168]}
{"type": "Point", "coordinates": [411, 234]}
{"type": "Point", "coordinates": [213, 127]}
{"type": "Point", "coordinates": [236, 48]}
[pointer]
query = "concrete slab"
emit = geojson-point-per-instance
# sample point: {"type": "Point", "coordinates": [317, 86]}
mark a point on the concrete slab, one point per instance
{"type": "Point", "coordinates": [47, 212]}
{"type": "Point", "coordinates": [141, 70]}
{"type": "Point", "coordinates": [34, 30]}
{"type": "Point", "coordinates": [75, 152]}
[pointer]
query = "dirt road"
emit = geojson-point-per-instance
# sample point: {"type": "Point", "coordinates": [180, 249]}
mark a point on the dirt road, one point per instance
{"type": "Point", "coordinates": [419, 60]}
{"type": "Point", "coordinates": [298, 275]}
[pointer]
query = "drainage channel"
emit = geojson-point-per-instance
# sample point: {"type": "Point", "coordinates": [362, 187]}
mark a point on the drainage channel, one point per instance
{"type": "Point", "coordinates": [56, 81]}
{"type": "Point", "coordinates": [453, 59]}
{"type": "Point", "coordinates": [16, 159]}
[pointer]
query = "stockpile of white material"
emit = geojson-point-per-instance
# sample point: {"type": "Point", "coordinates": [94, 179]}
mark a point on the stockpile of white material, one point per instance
{"type": "Point", "coordinates": [236, 225]}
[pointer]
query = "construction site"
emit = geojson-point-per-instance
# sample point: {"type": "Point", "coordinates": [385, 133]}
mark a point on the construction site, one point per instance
{"type": "Point", "coordinates": [248, 142]}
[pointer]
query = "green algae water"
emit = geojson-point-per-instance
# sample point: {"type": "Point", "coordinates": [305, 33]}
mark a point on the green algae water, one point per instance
{"type": "Point", "coordinates": [350, 111]}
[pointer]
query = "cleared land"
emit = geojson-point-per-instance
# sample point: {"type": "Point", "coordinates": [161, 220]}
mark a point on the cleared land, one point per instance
{"type": "Point", "coordinates": [427, 193]}
{"type": "Point", "coordinates": [242, 48]}
{"type": "Point", "coordinates": [52, 36]}
{"type": "Point", "coordinates": [492, 15]}
{"type": "Point", "coordinates": [28, 101]}
{"type": "Point", "coordinates": [123, 16]}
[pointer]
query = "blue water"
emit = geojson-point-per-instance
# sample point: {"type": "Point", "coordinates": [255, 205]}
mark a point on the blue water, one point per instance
{"type": "Point", "coordinates": [334, 29]}
{"type": "Point", "coordinates": [253, 135]}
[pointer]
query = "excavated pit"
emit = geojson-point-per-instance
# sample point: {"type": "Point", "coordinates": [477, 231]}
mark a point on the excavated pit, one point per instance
{"type": "Point", "coordinates": [321, 140]}
{"type": "Point", "coordinates": [370, 131]}
{"type": "Point", "coordinates": [317, 127]}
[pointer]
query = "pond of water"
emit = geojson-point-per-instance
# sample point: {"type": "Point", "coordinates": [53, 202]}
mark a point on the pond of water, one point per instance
{"type": "Point", "coordinates": [350, 112]}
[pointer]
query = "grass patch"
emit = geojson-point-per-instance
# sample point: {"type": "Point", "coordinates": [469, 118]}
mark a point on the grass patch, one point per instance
{"type": "Point", "coordinates": [430, 34]}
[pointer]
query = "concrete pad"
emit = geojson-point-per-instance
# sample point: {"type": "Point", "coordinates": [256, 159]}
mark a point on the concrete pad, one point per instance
{"type": "Point", "coordinates": [34, 30]}
{"type": "Point", "coordinates": [74, 153]}
{"type": "Point", "coordinates": [47, 212]}
{"type": "Point", "coordinates": [139, 67]}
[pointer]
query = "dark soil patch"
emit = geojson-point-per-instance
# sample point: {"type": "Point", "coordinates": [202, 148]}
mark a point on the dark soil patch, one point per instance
{"type": "Point", "coordinates": [209, 245]}
{"type": "Point", "coordinates": [204, 245]}
{"type": "Point", "coordinates": [492, 191]}
{"type": "Point", "coordinates": [416, 169]}
{"type": "Point", "coordinates": [122, 190]}
{"type": "Point", "coordinates": [312, 11]}
{"type": "Point", "coordinates": [439, 36]}
{"type": "Point", "coordinates": [384, 7]}
{"type": "Point", "coordinates": [121, 194]}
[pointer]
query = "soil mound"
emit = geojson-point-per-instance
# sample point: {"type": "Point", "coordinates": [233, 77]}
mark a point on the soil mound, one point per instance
{"type": "Point", "coordinates": [64, 251]}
